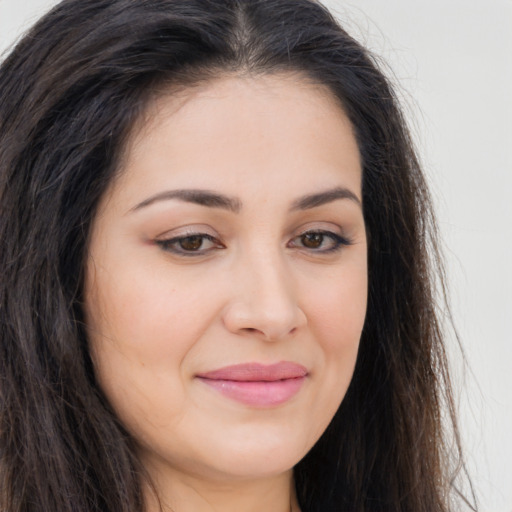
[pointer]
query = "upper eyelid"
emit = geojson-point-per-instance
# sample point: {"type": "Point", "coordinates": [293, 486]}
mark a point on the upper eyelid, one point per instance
{"type": "Point", "coordinates": [183, 232]}
{"type": "Point", "coordinates": [207, 236]}
{"type": "Point", "coordinates": [177, 238]}
{"type": "Point", "coordinates": [187, 231]}
{"type": "Point", "coordinates": [171, 245]}
{"type": "Point", "coordinates": [333, 229]}
{"type": "Point", "coordinates": [332, 234]}
{"type": "Point", "coordinates": [314, 229]}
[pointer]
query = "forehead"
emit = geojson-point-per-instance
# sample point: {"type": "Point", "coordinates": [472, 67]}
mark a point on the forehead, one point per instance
{"type": "Point", "coordinates": [233, 130]}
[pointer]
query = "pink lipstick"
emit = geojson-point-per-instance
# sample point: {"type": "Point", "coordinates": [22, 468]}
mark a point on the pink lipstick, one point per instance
{"type": "Point", "coordinates": [257, 384]}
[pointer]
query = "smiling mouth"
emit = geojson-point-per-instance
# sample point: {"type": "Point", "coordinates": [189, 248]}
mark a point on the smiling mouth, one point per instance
{"type": "Point", "coordinates": [256, 384]}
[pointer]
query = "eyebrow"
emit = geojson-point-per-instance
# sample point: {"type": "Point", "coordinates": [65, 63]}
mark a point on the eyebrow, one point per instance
{"type": "Point", "coordinates": [201, 197]}
{"type": "Point", "coordinates": [215, 200]}
{"type": "Point", "coordinates": [321, 198]}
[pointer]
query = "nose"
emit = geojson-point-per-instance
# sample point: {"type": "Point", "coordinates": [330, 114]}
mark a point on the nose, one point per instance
{"type": "Point", "coordinates": [264, 301]}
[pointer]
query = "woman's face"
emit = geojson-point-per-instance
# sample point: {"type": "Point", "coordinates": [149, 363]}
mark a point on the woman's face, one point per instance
{"type": "Point", "coordinates": [226, 280]}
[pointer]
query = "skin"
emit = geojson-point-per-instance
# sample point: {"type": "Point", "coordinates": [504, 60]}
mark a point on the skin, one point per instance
{"type": "Point", "coordinates": [256, 289]}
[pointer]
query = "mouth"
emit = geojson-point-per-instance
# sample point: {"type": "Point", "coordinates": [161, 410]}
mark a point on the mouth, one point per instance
{"type": "Point", "coordinates": [256, 384]}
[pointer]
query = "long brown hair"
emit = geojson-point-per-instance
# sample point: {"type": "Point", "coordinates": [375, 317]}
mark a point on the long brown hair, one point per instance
{"type": "Point", "coordinates": [69, 93]}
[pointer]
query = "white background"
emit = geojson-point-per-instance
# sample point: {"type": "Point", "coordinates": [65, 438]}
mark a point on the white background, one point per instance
{"type": "Point", "coordinates": [453, 61]}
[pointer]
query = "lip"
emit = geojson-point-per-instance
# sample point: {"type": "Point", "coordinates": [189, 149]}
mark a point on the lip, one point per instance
{"type": "Point", "coordinates": [257, 384]}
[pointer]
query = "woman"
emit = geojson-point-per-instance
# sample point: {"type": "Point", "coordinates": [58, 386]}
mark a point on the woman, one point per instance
{"type": "Point", "coordinates": [217, 283]}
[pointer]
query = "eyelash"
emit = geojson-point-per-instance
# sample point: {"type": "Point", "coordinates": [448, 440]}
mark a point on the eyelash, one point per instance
{"type": "Point", "coordinates": [173, 244]}
{"type": "Point", "coordinates": [338, 241]}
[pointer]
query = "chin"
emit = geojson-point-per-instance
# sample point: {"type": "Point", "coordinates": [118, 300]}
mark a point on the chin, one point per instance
{"type": "Point", "coordinates": [260, 456]}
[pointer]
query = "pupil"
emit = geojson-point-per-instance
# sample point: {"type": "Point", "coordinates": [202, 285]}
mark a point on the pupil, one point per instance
{"type": "Point", "coordinates": [312, 240]}
{"type": "Point", "coordinates": [191, 243]}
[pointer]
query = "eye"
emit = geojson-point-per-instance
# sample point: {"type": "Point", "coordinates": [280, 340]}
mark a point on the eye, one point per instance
{"type": "Point", "coordinates": [319, 241]}
{"type": "Point", "coordinates": [194, 244]}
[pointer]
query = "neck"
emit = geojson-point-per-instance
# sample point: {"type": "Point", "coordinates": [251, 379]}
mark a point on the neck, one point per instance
{"type": "Point", "coordinates": [185, 493]}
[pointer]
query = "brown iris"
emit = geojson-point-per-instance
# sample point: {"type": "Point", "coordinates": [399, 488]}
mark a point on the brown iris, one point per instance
{"type": "Point", "coordinates": [191, 243]}
{"type": "Point", "coordinates": [312, 240]}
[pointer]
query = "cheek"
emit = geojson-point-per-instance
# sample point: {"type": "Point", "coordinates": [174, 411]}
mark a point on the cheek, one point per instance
{"type": "Point", "coordinates": [337, 309]}
{"type": "Point", "coordinates": [143, 316]}
{"type": "Point", "coordinates": [140, 332]}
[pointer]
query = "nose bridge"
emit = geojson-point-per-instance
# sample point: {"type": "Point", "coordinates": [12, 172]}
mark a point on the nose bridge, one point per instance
{"type": "Point", "coordinates": [265, 298]}
{"type": "Point", "coordinates": [270, 278]}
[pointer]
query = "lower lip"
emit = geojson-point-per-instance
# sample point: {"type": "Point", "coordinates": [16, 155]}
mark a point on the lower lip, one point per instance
{"type": "Point", "coordinates": [257, 393]}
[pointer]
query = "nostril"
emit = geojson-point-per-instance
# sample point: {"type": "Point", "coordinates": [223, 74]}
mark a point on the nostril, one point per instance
{"type": "Point", "coordinates": [270, 321]}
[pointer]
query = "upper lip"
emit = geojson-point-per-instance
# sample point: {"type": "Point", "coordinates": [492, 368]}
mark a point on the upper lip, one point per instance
{"type": "Point", "coordinates": [253, 372]}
